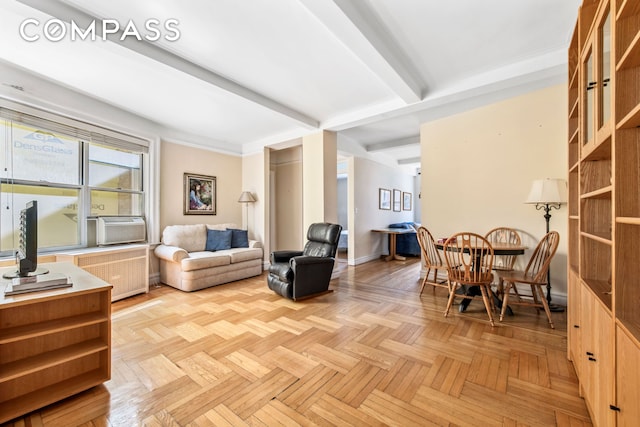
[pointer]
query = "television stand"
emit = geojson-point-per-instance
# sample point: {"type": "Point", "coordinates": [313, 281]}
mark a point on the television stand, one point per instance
{"type": "Point", "coordinates": [55, 343]}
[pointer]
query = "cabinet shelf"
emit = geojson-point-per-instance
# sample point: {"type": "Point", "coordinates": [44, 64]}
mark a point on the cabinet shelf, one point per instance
{"type": "Point", "coordinates": [628, 273]}
{"type": "Point", "coordinates": [24, 332]}
{"type": "Point", "coordinates": [601, 289]}
{"type": "Point", "coordinates": [627, 9]}
{"type": "Point", "coordinates": [628, 220]}
{"type": "Point", "coordinates": [22, 367]}
{"type": "Point", "coordinates": [599, 151]}
{"type": "Point", "coordinates": [631, 57]}
{"type": "Point", "coordinates": [601, 193]}
{"type": "Point", "coordinates": [631, 120]}
{"type": "Point", "coordinates": [573, 167]}
{"type": "Point", "coordinates": [597, 238]}
{"type": "Point", "coordinates": [47, 395]}
{"type": "Point", "coordinates": [55, 343]}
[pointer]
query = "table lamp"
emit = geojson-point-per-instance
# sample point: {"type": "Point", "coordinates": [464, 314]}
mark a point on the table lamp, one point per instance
{"type": "Point", "coordinates": [548, 194]}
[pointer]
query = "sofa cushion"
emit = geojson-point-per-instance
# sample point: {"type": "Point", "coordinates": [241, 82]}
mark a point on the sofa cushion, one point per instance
{"type": "Point", "coordinates": [405, 225]}
{"type": "Point", "coordinates": [218, 240]}
{"type": "Point", "coordinates": [244, 254]}
{"type": "Point", "coordinates": [204, 259]}
{"type": "Point", "coordinates": [239, 238]}
{"type": "Point", "coordinates": [223, 226]}
{"type": "Point", "coordinates": [191, 238]}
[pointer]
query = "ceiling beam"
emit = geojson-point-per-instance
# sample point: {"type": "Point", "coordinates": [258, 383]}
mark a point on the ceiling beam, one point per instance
{"type": "Point", "coordinates": [363, 33]}
{"type": "Point", "coordinates": [396, 143]}
{"type": "Point", "coordinates": [66, 13]}
{"type": "Point", "coordinates": [409, 161]}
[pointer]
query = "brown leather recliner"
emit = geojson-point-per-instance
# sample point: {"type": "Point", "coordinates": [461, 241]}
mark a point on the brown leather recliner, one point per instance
{"type": "Point", "coordinates": [303, 274]}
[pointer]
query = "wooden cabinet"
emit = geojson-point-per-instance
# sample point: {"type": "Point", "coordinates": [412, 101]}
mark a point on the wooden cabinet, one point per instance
{"type": "Point", "coordinates": [124, 267]}
{"type": "Point", "coordinates": [604, 208]}
{"type": "Point", "coordinates": [53, 344]}
{"type": "Point", "coordinates": [596, 358]}
{"type": "Point", "coordinates": [574, 322]}
{"type": "Point", "coordinates": [628, 392]}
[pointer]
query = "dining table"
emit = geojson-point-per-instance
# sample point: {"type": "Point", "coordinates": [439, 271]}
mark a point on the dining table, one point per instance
{"type": "Point", "coordinates": [499, 248]}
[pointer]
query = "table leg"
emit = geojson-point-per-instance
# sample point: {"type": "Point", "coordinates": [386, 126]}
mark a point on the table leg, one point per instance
{"type": "Point", "coordinates": [392, 249]}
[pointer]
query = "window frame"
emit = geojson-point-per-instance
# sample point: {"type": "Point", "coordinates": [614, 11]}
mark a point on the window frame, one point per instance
{"type": "Point", "coordinates": [86, 134]}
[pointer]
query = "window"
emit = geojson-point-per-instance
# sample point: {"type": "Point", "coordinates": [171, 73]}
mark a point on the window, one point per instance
{"type": "Point", "coordinates": [75, 174]}
{"type": "Point", "coordinates": [115, 181]}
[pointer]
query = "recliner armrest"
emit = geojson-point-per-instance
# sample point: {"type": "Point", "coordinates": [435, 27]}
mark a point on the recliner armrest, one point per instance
{"type": "Point", "coordinates": [309, 260]}
{"type": "Point", "coordinates": [283, 256]}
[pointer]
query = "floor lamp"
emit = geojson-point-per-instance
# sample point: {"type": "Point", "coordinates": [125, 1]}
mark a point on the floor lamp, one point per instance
{"type": "Point", "coordinates": [548, 194]}
{"type": "Point", "coordinates": [245, 198]}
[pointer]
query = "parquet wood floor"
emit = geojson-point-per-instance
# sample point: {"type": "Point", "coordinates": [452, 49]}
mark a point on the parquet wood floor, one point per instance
{"type": "Point", "coordinates": [371, 353]}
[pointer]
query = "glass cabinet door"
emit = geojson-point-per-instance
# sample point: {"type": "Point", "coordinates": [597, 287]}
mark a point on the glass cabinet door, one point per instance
{"type": "Point", "coordinates": [596, 84]}
{"type": "Point", "coordinates": [589, 85]}
{"type": "Point", "coordinates": [604, 71]}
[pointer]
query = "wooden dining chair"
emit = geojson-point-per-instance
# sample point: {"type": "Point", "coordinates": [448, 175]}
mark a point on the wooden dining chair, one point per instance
{"type": "Point", "coordinates": [534, 275]}
{"type": "Point", "coordinates": [504, 235]}
{"type": "Point", "coordinates": [469, 260]}
{"type": "Point", "coordinates": [432, 259]}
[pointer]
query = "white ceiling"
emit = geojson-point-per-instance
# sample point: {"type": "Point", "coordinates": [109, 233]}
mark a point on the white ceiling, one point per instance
{"type": "Point", "coordinates": [248, 73]}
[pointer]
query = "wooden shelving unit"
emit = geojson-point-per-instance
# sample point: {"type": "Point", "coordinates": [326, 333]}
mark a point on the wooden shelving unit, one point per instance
{"type": "Point", "coordinates": [54, 343]}
{"type": "Point", "coordinates": [604, 208]}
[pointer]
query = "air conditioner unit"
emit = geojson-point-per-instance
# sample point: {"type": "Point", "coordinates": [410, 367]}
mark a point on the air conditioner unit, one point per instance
{"type": "Point", "coordinates": [118, 229]}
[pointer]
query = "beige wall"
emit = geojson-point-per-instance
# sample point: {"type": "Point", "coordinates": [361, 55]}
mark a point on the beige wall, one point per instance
{"type": "Point", "coordinates": [320, 178]}
{"type": "Point", "coordinates": [477, 169]}
{"type": "Point", "coordinates": [175, 160]}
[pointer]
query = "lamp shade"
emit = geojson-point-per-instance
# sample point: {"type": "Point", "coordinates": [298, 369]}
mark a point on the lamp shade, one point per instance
{"type": "Point", "coordinates": [246, 197]}
{"type": "Point", "coordinates": [548, 191]}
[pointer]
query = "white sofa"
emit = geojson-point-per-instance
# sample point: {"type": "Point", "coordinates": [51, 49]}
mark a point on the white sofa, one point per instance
{"type": "Point", "coordinates": [185, 263]}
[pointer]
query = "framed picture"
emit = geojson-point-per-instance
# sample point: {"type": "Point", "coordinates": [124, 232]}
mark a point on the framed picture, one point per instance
{"type": "Point", "coordinates": [384, 199]}
{"type": "Point", "coordinates": [396, 200]}
{"type": "Point", "coordinates": [199, 194]}
{"type": "Point", "coordinates": [406, 201]}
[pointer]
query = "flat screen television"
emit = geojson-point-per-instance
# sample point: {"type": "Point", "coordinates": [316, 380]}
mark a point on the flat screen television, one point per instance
{"type": "Point", "coordinates": [27, 253]}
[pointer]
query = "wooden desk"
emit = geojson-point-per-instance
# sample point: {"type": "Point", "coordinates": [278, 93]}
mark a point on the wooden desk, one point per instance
{"type": "Point", "coordinates": [55, 343]}
{"type": "Point", "coordinates": [393, 232]}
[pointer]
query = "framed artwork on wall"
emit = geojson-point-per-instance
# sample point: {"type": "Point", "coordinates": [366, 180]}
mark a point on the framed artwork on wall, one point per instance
{"type": "Point", "coordinates": [406, 201]}
{"type": "Point", "coordinates": [384, 199]}
{"type": "Point", "coordinates": [199, 194]}
{"type": "Point", "coordinates": [396, 200]}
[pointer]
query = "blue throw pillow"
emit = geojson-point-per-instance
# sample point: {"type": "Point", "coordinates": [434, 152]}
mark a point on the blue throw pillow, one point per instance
{"type": "Point", "coordinates": [239, 238]}
{"type": "Point", "coordinates": [218, 240]}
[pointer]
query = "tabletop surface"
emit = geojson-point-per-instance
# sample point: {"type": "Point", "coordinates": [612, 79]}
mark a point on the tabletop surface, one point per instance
{"type": "Point", "coordinates": [82, 282]}
{"type": "Point", "coordinates": [394, 230]}
{"type": "Point", "coordinates": [499, 248]}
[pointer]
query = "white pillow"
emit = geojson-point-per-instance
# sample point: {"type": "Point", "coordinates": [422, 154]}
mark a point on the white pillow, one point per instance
{"type": "Point", "coordinates": [191, 238]}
